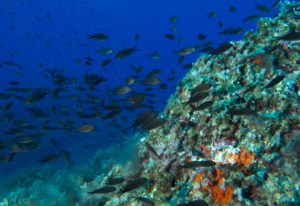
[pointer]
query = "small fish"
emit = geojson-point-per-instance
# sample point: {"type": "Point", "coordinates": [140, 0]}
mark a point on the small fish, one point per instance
{"type": "Point", "coordinates": [200, 88]}
{"type": "Point", "coordinates": [155, 55]}
{"type": "Point", "coordinates": [194, 164]}
{"type": "Point", "coordinates": [220, 24]}
{"type": "Point", "coordinates": [136, 37]}
{"type": "Point", "coordinates": [53, 142]}
{"type": "Point", "coordinates": [185, 51]}
{"type": "Point", "coordinates": [173, 19]}
{"type": "Point", "coordinates": [201, 36]}
{"type": "Point", "coordinates": [98, 36]}
{"type": "Point", "coordinates": [169, 36]}
{"type": "Point", "coordinates": [293, 36]}
{"type": "Point", "coordinates": [222, 48]}
{"type": "Point", "coordinates": [122, 90]}
{"type": "Point", "coordinates": [85, 128]}
{"type": "Point", "coordinates": [133, 184]}
{"type": "Point", "coordinates": [276, 4]}
{"type": "Point", "coordinates": [7, 106]}
{"type": "Point", "coordinates": [232, 31]}
{"type": "Point", "coordinates": [106, 50]}
{"type": "Point", "coordinates": [197, 97]}
{"type": "Point", "coordinates": [180, 59]}
{"type": "Point", "coordinates": [163, 86]}
{"type": "Point", "coordinates": [105, 62]}
{"type": "Point", "coordinates": [204, 105]}
{"type": "Point", "coordinates": [153, 124]}
{"type": "Point", "coordinates": [103, 190]}
{"type": "Point", "coordinates": [65, 154]}
{"type": "Point", "coordinates": [125, 52]}
{"type": "Point", "coordinates": [50, 158]}
{"type": "Point", "coordinates": [152, 150]}
{"type": "Point", "coordinates": [7, 158]}
{"type": "Point", "coordinates": [212, 14]}
{"type": "Point", "coordinates": [251, 17]}
{"type": "Point", "coordinates": [115, 181]}
{"type": "Point", "coordinates": [130, 80]}
{"type": "Point", "coordinates": [262, 8]}
{"type": "Point", "coordinates": [232, 9]}
{"type": "Point", "coordinates": [23, 140]}
{"type": "Point", "coordinates": [187, 66]}
{"type": "Point", "coordinates": [151, 81]}
{"type": "Point", "coordinates": [174, 28]}
{"type": "Point", "coordinates": [275, 81]}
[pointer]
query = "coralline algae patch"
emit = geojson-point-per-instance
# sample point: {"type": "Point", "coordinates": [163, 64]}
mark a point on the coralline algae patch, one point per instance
{"type": "Point", "coordinates": [231, 133]}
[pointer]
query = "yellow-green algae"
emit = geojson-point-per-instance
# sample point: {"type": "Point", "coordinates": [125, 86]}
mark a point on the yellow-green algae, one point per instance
{"type": "Point", "coordinates": [256, 155]}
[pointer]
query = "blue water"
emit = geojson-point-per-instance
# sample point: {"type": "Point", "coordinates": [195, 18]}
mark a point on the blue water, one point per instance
{"type": "Point", "coordinates": [55, 33]}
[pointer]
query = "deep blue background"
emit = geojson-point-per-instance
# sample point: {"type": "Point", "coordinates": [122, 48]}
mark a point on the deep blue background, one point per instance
{"type": "Point", "coordinates": [27, 25]}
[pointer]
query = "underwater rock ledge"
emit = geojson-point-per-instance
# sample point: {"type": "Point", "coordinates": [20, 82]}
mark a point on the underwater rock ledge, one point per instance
{"type": "Point", "coordinates": [231, 133]}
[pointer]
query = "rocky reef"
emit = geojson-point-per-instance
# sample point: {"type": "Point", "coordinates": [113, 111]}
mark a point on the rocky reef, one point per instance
{"type": "Point", "coordinates": [231, 133]}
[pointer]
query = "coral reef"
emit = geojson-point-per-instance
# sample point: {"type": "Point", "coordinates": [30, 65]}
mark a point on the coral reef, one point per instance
{"type": "Point", "coordinates": [250, 129]}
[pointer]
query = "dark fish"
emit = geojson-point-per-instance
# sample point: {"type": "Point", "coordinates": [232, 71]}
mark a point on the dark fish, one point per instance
{"type": "Point", "coordinates": [262, 8]}
{"type": "Point", "coordinates": [36, 96]}
{"type": "Point", "coordinates": [65, 154]}
{"type": "Point", "coordinates": [136, 37]}
{"type": "Point", "coordinates": [188, 66]}
{"type": "Point", "coordinates": [180, 59]}
{"type": "Point", "coordinates": [232, 9]}
{"type": "Point", "coordinates": [204, 105]}
{"type": "Point", "coordinates": [243, 111]}
{"type": "Point", "coordinates": [98, 36]}
{"type": "Point", "coordinates": [293, 36]}
{"type": "Point", "coordinates": [145, 117]}
{"type": "Point", "coordinates": [152, 150]}
{"type": "Point", "coordinates": [251, 17]}
{"type": "Point", "coordinates": [275, 81]}
{"type": "Point", "coordinates": [212, 14]}
{"type": "Point", "coordinates": [115, 181]}
{"type": "Point", "coordinates": [7, 106]}
{"type": "Point", "coordinates": [232, 31]}
{"type": "Point", "coordinates": [125, 52]}
{"type": "Point", "coordinates": [163, 86]}
{"type": "Point", "coordinates": [194, 203]}
{"type": "Point", "coordinates": [194, 164]}
{"type": "Point", "coordinates": [103, 190]}
{"type": "Point", "coordinates": [105, 62]}
{"type": "Point", "coordinates": [153, 124]}
{"type": "Point", "coordinates": [133, 184]}
{"type": "Point", "coordinates": [145, 200]}
{"type": "Point", "coordinates": [201, 36]}
{"type": "Point", "coordinates": [222, 48]}
{"type": "Point", "coordinates": [200, 88]}
{"type": "Point", "coordinates": [208, 43]}
{"type": "Point", "coordinates": [7, 158]}
{"type": "Point", "coordinates": [49, 158]}
{"type": "Point", "coordinates": [169, 36]}
{"type": "Point", "coordinates": [53, 142]}
{"type": "Point", "coordinates": [88, 63]}
{"type": "Point", "coordinates": [220, 24]}
{"type": "Point", "coordinates": [276, 4]}
{"type": "Point", "coordinates": [173, 19]}
{"type": "Point", "coordinates": [9, 63]}
{"type": "Point", "coordinates": [197, 97]}
{"type": "Point", "coordinates": [112, 114]}
{"type": "Point", "coordinates": [154, 73]}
